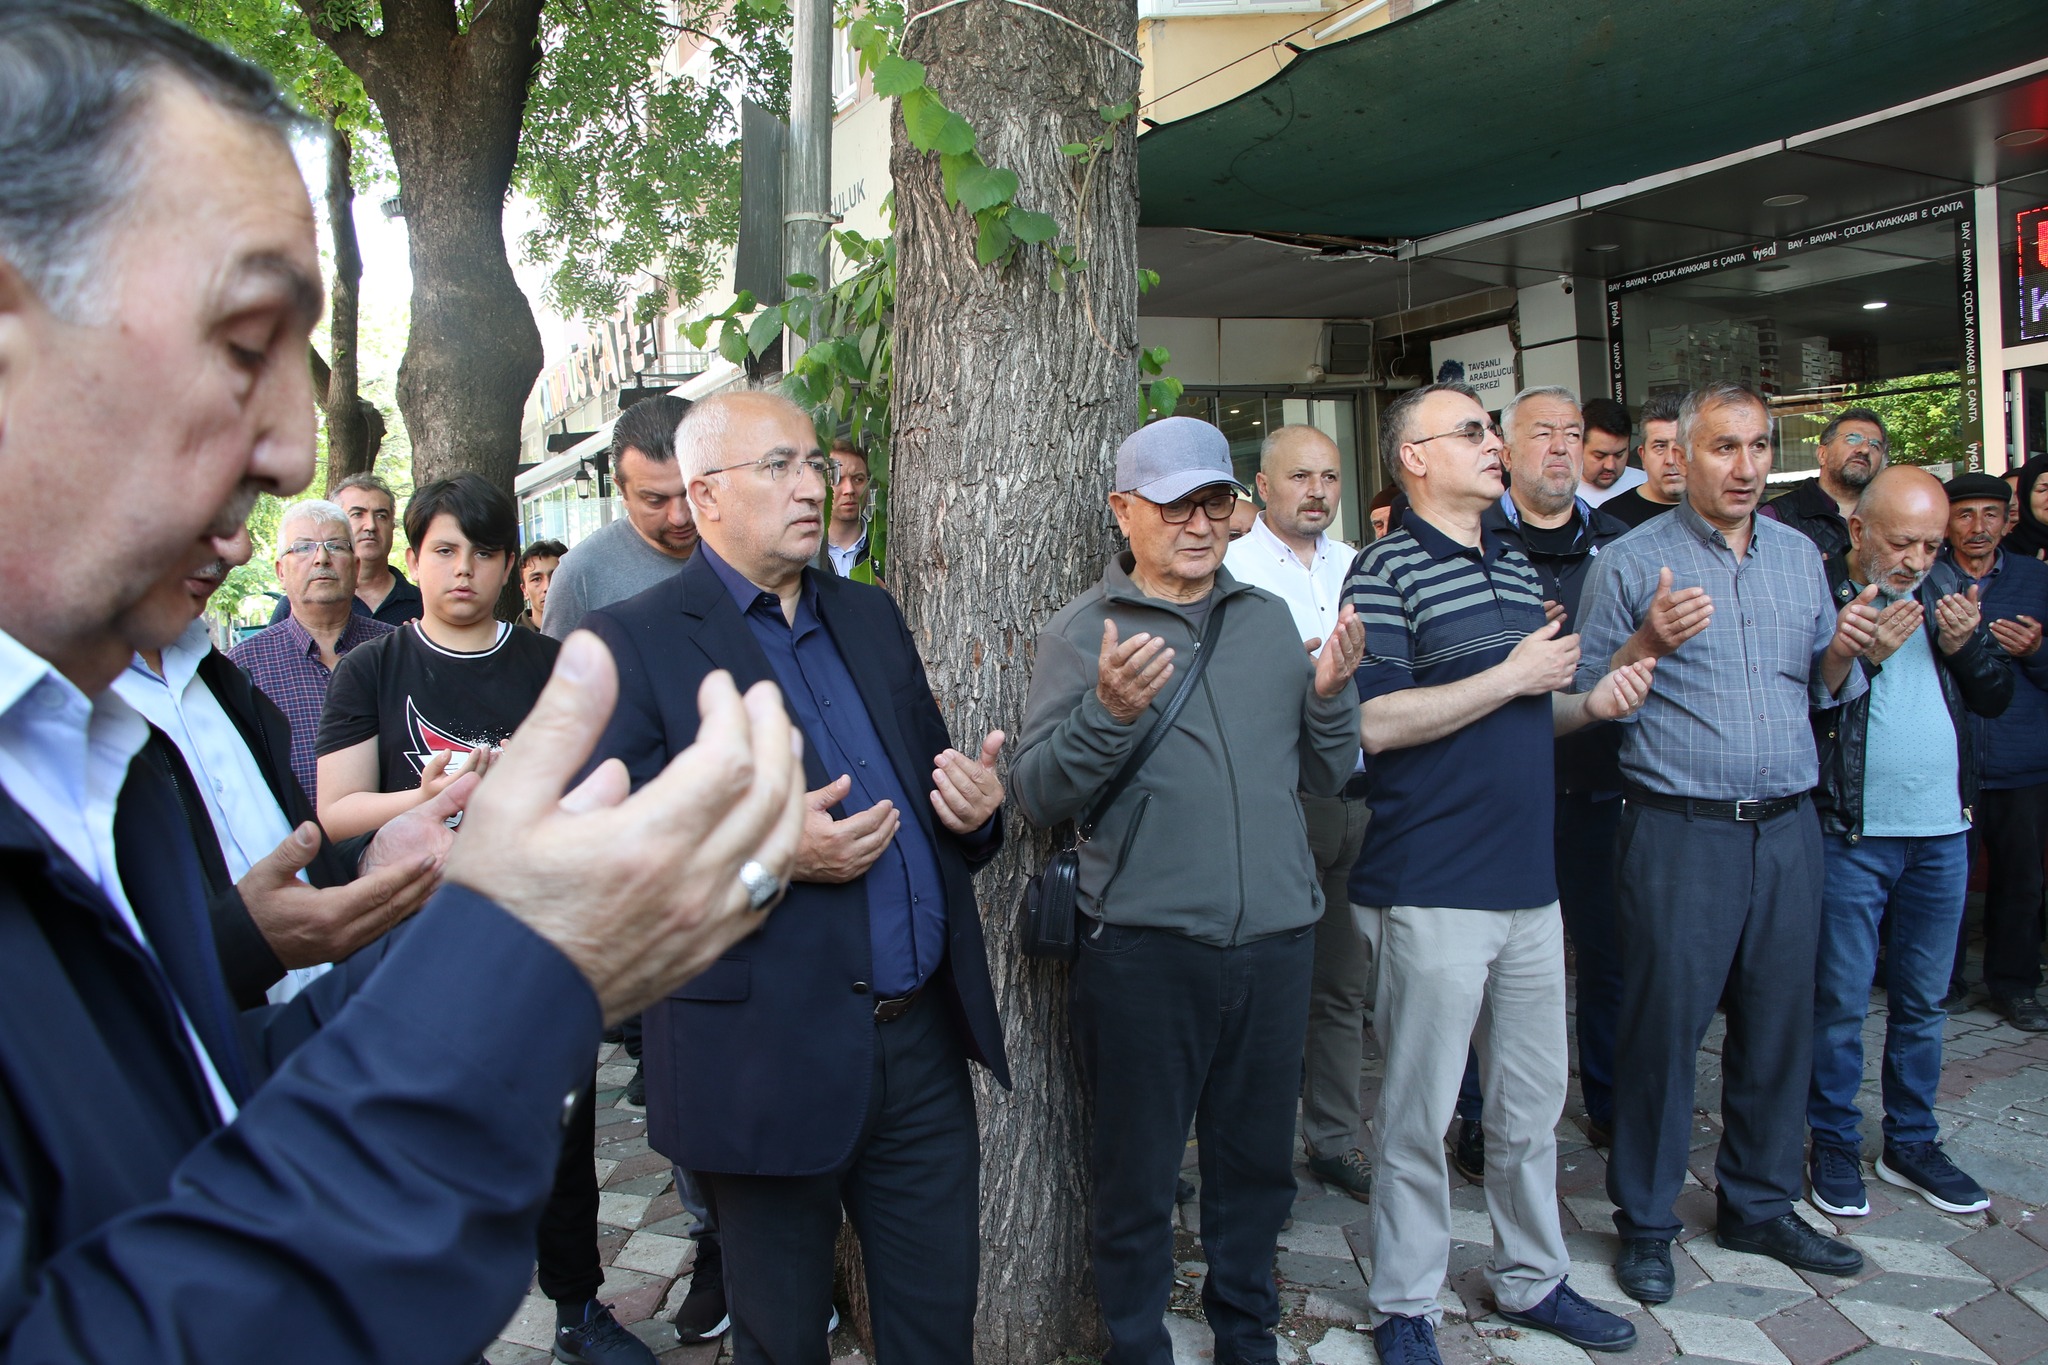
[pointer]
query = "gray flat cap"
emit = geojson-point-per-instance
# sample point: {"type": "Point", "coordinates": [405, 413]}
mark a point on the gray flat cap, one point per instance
{"type": "Point", "coordinates": [1169, 459]}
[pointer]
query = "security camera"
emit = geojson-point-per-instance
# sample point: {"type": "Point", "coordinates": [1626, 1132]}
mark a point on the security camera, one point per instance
{"type": "Point", "coordinates": [1566, 281]}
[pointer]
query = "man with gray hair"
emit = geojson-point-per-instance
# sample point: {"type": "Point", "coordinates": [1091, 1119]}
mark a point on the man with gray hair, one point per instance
{"type": "Point", "coordinates": [1720, 852]}
{"type": "Point", "coordinates": [179, 1182]}
{"type": "Point", "coordinates": [1289, 552]}
{"type": "Point", "coordinates": [1198, 898]}
{"type": "Point", "coordinates": [293, 660]}
{"type": "Point", "coordinates": [1463, 695]}
{"type": "Point", "coordinates": [821, 1074]}
{"type": "Point", "coordinates": [1562, 537]}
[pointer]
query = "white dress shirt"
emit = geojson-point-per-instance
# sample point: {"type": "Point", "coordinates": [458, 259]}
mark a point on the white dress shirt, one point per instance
{"type": "Point", "coordinates": [1313, 592]}
{"type": "Point", "coordinates": [245, 815]}
{"type": "Point", "coordinates": [64, 758]}
{"type": "Point", "coordinates": [1630, 477]}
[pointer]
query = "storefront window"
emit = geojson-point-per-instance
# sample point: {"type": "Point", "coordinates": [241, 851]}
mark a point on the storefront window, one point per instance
{"type": "Point", "coordinates": [1246, 417]}
{"type": "Point", "coordinates": [1865, 314]}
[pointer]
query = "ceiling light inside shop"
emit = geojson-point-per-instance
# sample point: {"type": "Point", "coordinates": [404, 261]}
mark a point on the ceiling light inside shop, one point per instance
{"type": "Point", "coordinates": [1605, 247]}
{"type": "Point", "coordinates": [1874, 305]}
{"type": "Point", "coordinates": [1784, 201]}
{"type": "Point", "coordinates": [2023, 137]}
{"type": "Point", "coordinates": [1773, 268]}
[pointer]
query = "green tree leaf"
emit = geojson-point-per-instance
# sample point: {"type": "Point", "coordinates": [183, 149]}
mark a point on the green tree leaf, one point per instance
{"type": "Point", "coordinates": [1116, 113]}
{"type": "Point", "coordinates": [984, 187]}
{"type": "Point", "coordinates": [762, 331]}
{"type": "Point", "coordinates": [897, 76]}
{"type": "Point", "coordinates": [732, 344]}
{"type": "Point", "coordinates": [1033, 227]}
{"type": "Point", "coordinates": [995, 241]}
{"type": "Point", "coordinates": [924, 117]}
{"type": "Point", "coordinates": [955, 136]}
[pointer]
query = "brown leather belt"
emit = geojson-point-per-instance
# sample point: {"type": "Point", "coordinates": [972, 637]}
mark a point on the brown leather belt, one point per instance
{"type": "Point", "coordinates": [889, 1011]}
{"type": "Point", "coordinates": [1745, 811]}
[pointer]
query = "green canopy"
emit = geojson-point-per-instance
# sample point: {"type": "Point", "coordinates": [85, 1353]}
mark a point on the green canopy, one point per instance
{"type": "Point", "coordinates": [1471, 110]}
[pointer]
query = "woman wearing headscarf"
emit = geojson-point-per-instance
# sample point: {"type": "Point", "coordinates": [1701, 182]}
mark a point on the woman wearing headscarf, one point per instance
{"type": "Point", "coordinates": [2029, 534]}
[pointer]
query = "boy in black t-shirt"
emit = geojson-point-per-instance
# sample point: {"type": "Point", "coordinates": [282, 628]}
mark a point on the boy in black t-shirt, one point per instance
{"type": "Point", "coordinates": [406, 715]}
{"type": "Point", "coordinates": [435, 698]}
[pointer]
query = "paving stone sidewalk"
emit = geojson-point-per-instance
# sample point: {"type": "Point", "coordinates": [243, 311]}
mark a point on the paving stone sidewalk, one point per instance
{"type": "Point", "coordinates": [1936, 1289]}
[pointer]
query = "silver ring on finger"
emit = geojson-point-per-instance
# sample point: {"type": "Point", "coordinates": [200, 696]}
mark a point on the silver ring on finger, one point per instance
{"type": "Point", "coordinates": [764, 888]}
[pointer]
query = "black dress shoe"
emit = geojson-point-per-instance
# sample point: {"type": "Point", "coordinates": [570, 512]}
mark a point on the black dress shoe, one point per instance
{"type": "Point", "coordinates": [1599, 1134]}
{"type": "Point", "coordinates": [1643, 1269]}
{"type": "Point", "coordinates": [2023, 1012]}
{"type": "Point", "coordinates": [636, 1089]}
{"type": "Point", "coordinates": [1785, 1238]}
{"type": "Point", "coordinates": [1468, 1150]}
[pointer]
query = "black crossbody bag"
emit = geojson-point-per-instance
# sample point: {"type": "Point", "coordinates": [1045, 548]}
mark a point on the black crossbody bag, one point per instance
{"type": "Point", "coordinates": [1050, 909]}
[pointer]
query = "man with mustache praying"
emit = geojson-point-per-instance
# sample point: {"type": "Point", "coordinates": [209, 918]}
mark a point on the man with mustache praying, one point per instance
{"type": "Point", "coordinates": [1290, 553]}
{"type": "Point", "coordinates": [1898, 779]}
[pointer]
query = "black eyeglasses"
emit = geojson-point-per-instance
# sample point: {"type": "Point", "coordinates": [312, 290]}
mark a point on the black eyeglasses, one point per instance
{"type": "Point", "coordinates": [1215, 506]}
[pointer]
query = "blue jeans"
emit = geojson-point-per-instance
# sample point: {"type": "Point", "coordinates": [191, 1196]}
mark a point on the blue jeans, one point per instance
{"type": "Point", "coordinates": [1918, 884]}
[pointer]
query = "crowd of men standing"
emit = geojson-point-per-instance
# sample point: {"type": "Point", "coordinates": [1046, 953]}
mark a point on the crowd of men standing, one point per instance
{"type": "Point", "coordinates": [297, 1012]}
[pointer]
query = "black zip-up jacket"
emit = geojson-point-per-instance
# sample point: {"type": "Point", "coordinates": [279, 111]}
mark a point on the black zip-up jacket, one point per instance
{"type": "Point", "coordinates": [1587, 760]}
{"type": "Point", "coordinates": [1812, 511]}
{"type": "Point", "coordinates": [1976, 678]}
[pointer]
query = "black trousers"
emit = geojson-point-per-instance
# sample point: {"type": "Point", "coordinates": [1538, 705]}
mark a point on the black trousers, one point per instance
{"type": "Point", "coordinates": [1711, 911]}
{"type": "Point", "coordinates": [2014, 824]}
{"type": "Point", "coordinates": [1169, 1031]}
{"type": "Point", "coordinates": [913, 1191]}
{"type": "Point", "coordinates": [567, 1243]}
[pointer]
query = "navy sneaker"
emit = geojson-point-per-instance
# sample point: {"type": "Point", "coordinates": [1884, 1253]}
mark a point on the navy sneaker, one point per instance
{"type": "Point", "coordinates": [1406, 1341]}
{"type": "Point", "coordinates": [599, 1340]}
{"type": "Point", "coordinates": [1925, 1168]}
{"type": "Point", "coordinates": [1566, 1314]}
{"type": "Point", "coordinates": [1835, 1175]}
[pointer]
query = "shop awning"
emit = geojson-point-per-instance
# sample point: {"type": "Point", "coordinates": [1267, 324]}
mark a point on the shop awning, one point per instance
{"type": "Point", "coordinates": [1472, 110]}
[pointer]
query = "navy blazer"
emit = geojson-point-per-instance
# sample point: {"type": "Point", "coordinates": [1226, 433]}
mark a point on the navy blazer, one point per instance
{"type": "Point", "coordinates": [761, 1066]}
{"type": "Point", "coordinates": [375, 1201]}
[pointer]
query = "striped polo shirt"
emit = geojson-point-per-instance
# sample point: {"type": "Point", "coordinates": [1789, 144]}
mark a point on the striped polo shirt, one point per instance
{"type": "Point", "coordinates": [1463, 821]}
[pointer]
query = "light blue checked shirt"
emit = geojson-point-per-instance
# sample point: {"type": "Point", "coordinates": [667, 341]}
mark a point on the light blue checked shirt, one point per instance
{"type": "Point", "coordinates": [1726, 719]}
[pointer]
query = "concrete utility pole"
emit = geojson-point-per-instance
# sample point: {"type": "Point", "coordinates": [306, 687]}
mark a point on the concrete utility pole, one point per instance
{"type": "Point", "coordinates": [807, 173]}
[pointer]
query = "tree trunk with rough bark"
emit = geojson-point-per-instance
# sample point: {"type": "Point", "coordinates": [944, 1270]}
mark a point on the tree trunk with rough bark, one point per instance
{"type": "Point", "coordinates": [453, 101]}
{"type": "Point", "coordinates": [350, 449]}
{"type": "Point", "coordinates": [1009, 405]}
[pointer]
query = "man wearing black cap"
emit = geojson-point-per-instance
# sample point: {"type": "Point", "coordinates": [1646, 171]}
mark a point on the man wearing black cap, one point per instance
{"type": "Point", "coordinates": [2012, 806]}
{"type": "Point", "coordinates": [1197, 890]}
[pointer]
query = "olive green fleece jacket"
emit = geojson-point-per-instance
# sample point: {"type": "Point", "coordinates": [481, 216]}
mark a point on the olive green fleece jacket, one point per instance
{"type": "Point", "coordinates": [1208, 838]}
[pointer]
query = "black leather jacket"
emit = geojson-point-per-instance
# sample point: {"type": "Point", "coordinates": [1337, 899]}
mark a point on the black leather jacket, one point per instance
{"type": "Point", "coordinates": [1811, 510]}
{"type": "Point", "coordinates": [1976, 678]}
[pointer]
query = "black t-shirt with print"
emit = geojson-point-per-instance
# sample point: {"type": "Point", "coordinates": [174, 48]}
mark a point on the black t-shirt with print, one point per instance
{"type": "Point", "coordinates": [416, 698]}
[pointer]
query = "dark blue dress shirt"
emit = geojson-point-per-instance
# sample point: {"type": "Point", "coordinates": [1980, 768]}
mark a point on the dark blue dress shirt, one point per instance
{"type": "Point", "coordinates": [906, 896]}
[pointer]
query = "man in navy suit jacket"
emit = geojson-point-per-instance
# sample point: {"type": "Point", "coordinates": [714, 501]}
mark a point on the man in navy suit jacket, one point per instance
{"type": "Point", "coordinates": [822, 1063]}
{"type": "Point", "coordinates": [373, 1198]}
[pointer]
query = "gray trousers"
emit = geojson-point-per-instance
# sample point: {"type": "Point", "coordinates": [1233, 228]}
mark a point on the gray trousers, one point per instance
{"type": "Point", "coordinates": [1341, 990]}
{"type": "Point", "coordinates": [1448, 980]}
{"type": "Point", "coordinates": [1714, 912]}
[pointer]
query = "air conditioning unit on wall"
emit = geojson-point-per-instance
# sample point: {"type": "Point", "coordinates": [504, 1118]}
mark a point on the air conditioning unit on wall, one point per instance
{"type": "Point", "coordinates": [1347, 348]}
